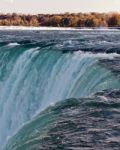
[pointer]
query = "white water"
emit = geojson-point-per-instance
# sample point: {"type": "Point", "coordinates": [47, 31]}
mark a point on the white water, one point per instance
{"type": "Point", "coordinates": [55, 28]}
{"type": "Point", "coordinates": [13, 44]}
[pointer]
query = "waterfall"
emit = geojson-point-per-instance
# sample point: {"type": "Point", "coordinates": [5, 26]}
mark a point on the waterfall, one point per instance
{"type": "Point", "coordinates": [33, 79]}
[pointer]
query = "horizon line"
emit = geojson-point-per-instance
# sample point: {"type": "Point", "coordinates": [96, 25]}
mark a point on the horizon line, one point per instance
{"type": "Point", "coordinates": [107, 12]}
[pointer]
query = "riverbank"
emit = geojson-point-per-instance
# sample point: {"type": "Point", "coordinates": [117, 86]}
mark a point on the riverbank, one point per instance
{"type": "Point", "coordinates": [57, 28]}
{"type": "Point", "coordinates": [92, 19]}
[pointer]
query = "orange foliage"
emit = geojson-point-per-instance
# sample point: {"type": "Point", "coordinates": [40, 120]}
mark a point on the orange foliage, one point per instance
{"type": "Point", "coordinates": [62, 20]}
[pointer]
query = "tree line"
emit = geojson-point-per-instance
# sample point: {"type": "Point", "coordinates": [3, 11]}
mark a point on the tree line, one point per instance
{"type": "Point", "coordinates": [62, 20]}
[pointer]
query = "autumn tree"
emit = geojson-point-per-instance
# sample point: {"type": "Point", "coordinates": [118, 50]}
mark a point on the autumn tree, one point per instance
{"type": "Point", "coordinates": [114, 21]}
{"type": "Point", "coordinates": [62, 20]}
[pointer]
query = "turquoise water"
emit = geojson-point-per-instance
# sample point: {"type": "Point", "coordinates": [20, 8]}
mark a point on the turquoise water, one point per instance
{"type": "Point", "coordinates": [37, 72]}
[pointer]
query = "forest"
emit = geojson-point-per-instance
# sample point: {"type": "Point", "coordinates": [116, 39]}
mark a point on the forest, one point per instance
{"type": "Point", "coordinates": [62, 20]}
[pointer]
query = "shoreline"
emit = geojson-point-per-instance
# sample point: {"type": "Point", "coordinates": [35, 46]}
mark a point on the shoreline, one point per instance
{"type": "Point", "coordinates": [46, 28]}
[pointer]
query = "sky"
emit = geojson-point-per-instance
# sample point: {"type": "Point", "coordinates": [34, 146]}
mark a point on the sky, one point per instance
{"type": "Point", "coordinates": [58, 6]}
